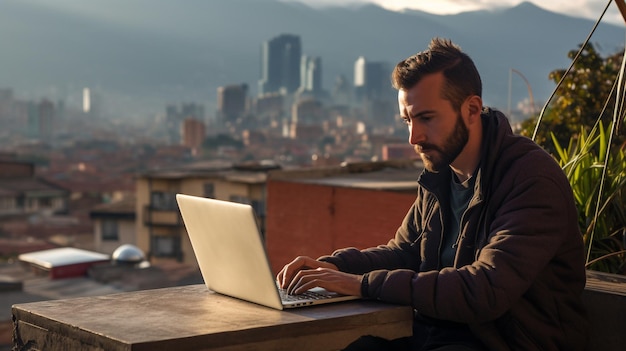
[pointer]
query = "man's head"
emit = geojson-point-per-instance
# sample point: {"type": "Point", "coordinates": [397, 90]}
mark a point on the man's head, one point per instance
{"type": "Point", "coordinates": [461, 76]}
{"type": "Point", "coordinates": [439, 96]}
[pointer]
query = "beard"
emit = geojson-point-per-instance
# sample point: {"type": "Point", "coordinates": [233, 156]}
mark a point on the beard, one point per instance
{"type": "Point", "coordinates": [439, 157]}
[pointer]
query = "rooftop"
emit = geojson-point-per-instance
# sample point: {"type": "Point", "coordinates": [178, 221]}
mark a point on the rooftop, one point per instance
{"type": "Point", "coordinates": [254, 172]}
{"type": "Point", "coordinates": [63, 256]}
{"type": "Point", "coordinates": [388, 175]}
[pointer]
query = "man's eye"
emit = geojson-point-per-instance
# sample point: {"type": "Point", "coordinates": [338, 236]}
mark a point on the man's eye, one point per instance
{"type": "Point", "coordinates": [406, 120]}
{"type": "Point", "coordinates": [425, 119]}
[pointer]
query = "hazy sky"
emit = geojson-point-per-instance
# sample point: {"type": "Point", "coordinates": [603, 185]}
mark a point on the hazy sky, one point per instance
{"type": "Point", "coordinates": [591, 9]}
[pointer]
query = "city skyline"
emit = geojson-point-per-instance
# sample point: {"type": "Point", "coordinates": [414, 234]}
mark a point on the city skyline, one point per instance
{"type": "Point", "coordinates": [135, 62]}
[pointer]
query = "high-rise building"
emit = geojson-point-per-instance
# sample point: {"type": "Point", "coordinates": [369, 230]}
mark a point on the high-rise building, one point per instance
{"type": "Point", "coordinates": [92, 103]}
{"type": "Point", "coordinates": [6, 102]}
{"type": "Point", "coordinates": [341, 91]}
{"type": "Point", "coordinates": [311, 74]}
{"type": "Point", "coordinates": [269, 107]}
{"type": "Point", "coordinates": [359, 72]}
{"type": "Point", "coordinates": [193, 134]}
{"type": "Point", "coordinates": [377, 80]}
{"type": "Point", "coordinates": [280, 64]}
{"type": "Point", "coordinates": [371, 79]}
{"type": "Point", "coordinates": [32, 124]}
{"type": "Point", "coordinates": [86, 100]}
{"type": "Point", "coordinates": [306, 120]}
{"type": "Point", "coordinates": [8, 119]}
{"type": "Point", "coordinates": [46, 120]}
{"type": "Point", "coordinates": [174, 118]}
{"type": "Point", "coordinates": [40, 120]}
{"type": "Point", "coordinates": [231, 102]}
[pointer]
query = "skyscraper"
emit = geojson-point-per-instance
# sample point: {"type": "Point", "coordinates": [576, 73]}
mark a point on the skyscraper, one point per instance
{"type": "Point", "coordinates": [40, 120]}
{"type": "Point", "coordinates": [231, 102]}
{"type": "Point", "coordinates": [373, 91]}
{"type": "Point", "coordinates": [86, 100]}
{"type": "Point", "coordinates": [306, 120]}
{"type": "Point", "coordinates": [371, 79]}
{"type": "Point", "coordinates": [280, 64]}
{"type": "Point", "coordinates": [46, 120]}
{"type": "Point", "coordinates": [193, 133]}
{"type": "Point", "coordinates": [174, 118]}
{"type": "Point", "coordinates": [359, 72]}
{"type": "Point", "coordinates": [92, 103]}
{"type": "Point", "coordinates": [311, 74]}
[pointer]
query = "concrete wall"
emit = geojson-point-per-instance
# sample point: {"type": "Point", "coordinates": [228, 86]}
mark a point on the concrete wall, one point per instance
{"type": "Point", "coordinates": [126, 235]}
{"type": "Point", "coordinates": [605, 300]}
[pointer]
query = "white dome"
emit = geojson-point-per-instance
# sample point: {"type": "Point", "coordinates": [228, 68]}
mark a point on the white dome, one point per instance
{"type": "Point", "coordinates": [128, 253]}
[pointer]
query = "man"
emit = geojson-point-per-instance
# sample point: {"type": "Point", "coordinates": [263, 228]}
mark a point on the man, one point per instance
{"type": "Point", "coordinates": [490, 255]}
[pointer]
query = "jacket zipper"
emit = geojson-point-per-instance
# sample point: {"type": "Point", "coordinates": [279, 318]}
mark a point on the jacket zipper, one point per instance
{"type": "Point", "coordinates": [442, 231]}
{"type": "Point", "coordinates": [471, 206]}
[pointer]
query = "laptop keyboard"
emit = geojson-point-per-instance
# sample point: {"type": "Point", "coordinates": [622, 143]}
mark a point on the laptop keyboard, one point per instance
{"type": "Point", "coordinates": [309, 295]}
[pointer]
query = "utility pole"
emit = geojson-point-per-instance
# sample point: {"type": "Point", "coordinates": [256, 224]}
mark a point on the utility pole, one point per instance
{"type": "Point", "coordinates": [530, 91]}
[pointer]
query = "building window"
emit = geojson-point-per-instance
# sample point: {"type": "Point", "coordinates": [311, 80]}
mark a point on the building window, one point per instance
{"type": "Point", "coordinates": [45, 202]}
{"type": "Point", "coordinates": [160, 200]}
{"type": "Point", "coordinates": [165, 246]}
{"type": "Point", "coordinates": [110, 230]}
{"type": "Point", "coordinates": [209, 190]}
{"type": "Point", "coordinates": [7, 203]}
{"type": "Point", "coordinates": [240, 199]}
{"type": "Point", "coordinates": [58, 204]}
{"type": "Point", "coordinates": [259, 207]}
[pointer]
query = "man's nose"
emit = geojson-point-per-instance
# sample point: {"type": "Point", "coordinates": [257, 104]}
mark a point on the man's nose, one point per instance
{"type": "Point", "coordinates": [416, 135]}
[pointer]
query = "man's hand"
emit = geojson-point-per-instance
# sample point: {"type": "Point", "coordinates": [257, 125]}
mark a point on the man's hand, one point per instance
{"type": "Point", "coordinates": [286, 275]}
{"type": "Point", "coordinates": [305, 273]}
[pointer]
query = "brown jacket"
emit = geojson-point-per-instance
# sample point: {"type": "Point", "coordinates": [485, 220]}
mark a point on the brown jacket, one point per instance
{"type": "Point", "coordinates": [519, 268]}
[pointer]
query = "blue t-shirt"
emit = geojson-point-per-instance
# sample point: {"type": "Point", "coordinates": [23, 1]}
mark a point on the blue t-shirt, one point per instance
{"type": "Point", "coordinates": [460, 196]}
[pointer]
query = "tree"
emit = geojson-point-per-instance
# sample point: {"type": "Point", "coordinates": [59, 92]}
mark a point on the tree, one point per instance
{"type": "Point", "coordinates": [580, 99]}
{"type": "Point", "coordinates": [572, 128]}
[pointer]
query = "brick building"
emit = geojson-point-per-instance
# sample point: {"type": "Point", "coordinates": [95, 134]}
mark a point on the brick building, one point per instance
{"type": "Point", "coordinates": [316, 211]}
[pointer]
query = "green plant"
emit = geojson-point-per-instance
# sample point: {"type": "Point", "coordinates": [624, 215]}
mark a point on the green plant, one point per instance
{"type": "Point", "coordinates": [597, 174]}
{"type": "Point", "coordinates": [580, 97]}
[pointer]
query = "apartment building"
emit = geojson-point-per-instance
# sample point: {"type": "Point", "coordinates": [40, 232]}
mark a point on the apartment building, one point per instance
{"type": "Point", "coordinates": [159, 228]}
{"type": "Point", "coordinates": [22, 193]}
{"type": "Point", "coordinates": [114, 224]}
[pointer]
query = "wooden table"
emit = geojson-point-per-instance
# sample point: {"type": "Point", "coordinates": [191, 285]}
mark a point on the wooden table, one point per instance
{"type": "Point", "coordinates": [193, 318]}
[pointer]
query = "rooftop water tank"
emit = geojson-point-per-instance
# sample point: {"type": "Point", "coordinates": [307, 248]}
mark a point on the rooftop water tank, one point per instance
{"type": "Point", "coordinates": [128, 253]}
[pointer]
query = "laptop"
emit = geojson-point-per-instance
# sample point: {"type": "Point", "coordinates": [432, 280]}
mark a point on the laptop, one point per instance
{"type": "Point", "coordinates": [230, 252]}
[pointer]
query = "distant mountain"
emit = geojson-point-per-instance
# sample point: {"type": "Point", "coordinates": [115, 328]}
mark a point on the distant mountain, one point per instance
{"type": "Point", "coordinates": [141, 54]}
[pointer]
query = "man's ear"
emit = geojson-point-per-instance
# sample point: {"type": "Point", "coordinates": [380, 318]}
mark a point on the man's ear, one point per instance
{"type": "Point", "coordinates": [474, 107]}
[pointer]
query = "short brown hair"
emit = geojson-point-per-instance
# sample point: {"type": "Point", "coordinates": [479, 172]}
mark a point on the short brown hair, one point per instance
{"type": "Point", "coordinates": [461, 76]}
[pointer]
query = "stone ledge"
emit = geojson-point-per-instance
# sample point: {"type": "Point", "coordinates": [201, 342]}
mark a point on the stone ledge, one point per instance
{"type": "Point", "coordinates": [606, 282]}
{"type": "Point", "coordinates": [605, 300]}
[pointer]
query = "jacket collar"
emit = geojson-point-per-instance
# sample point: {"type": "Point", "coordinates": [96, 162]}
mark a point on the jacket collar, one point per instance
{"type": "Point", "coordinates": [495, 126]}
